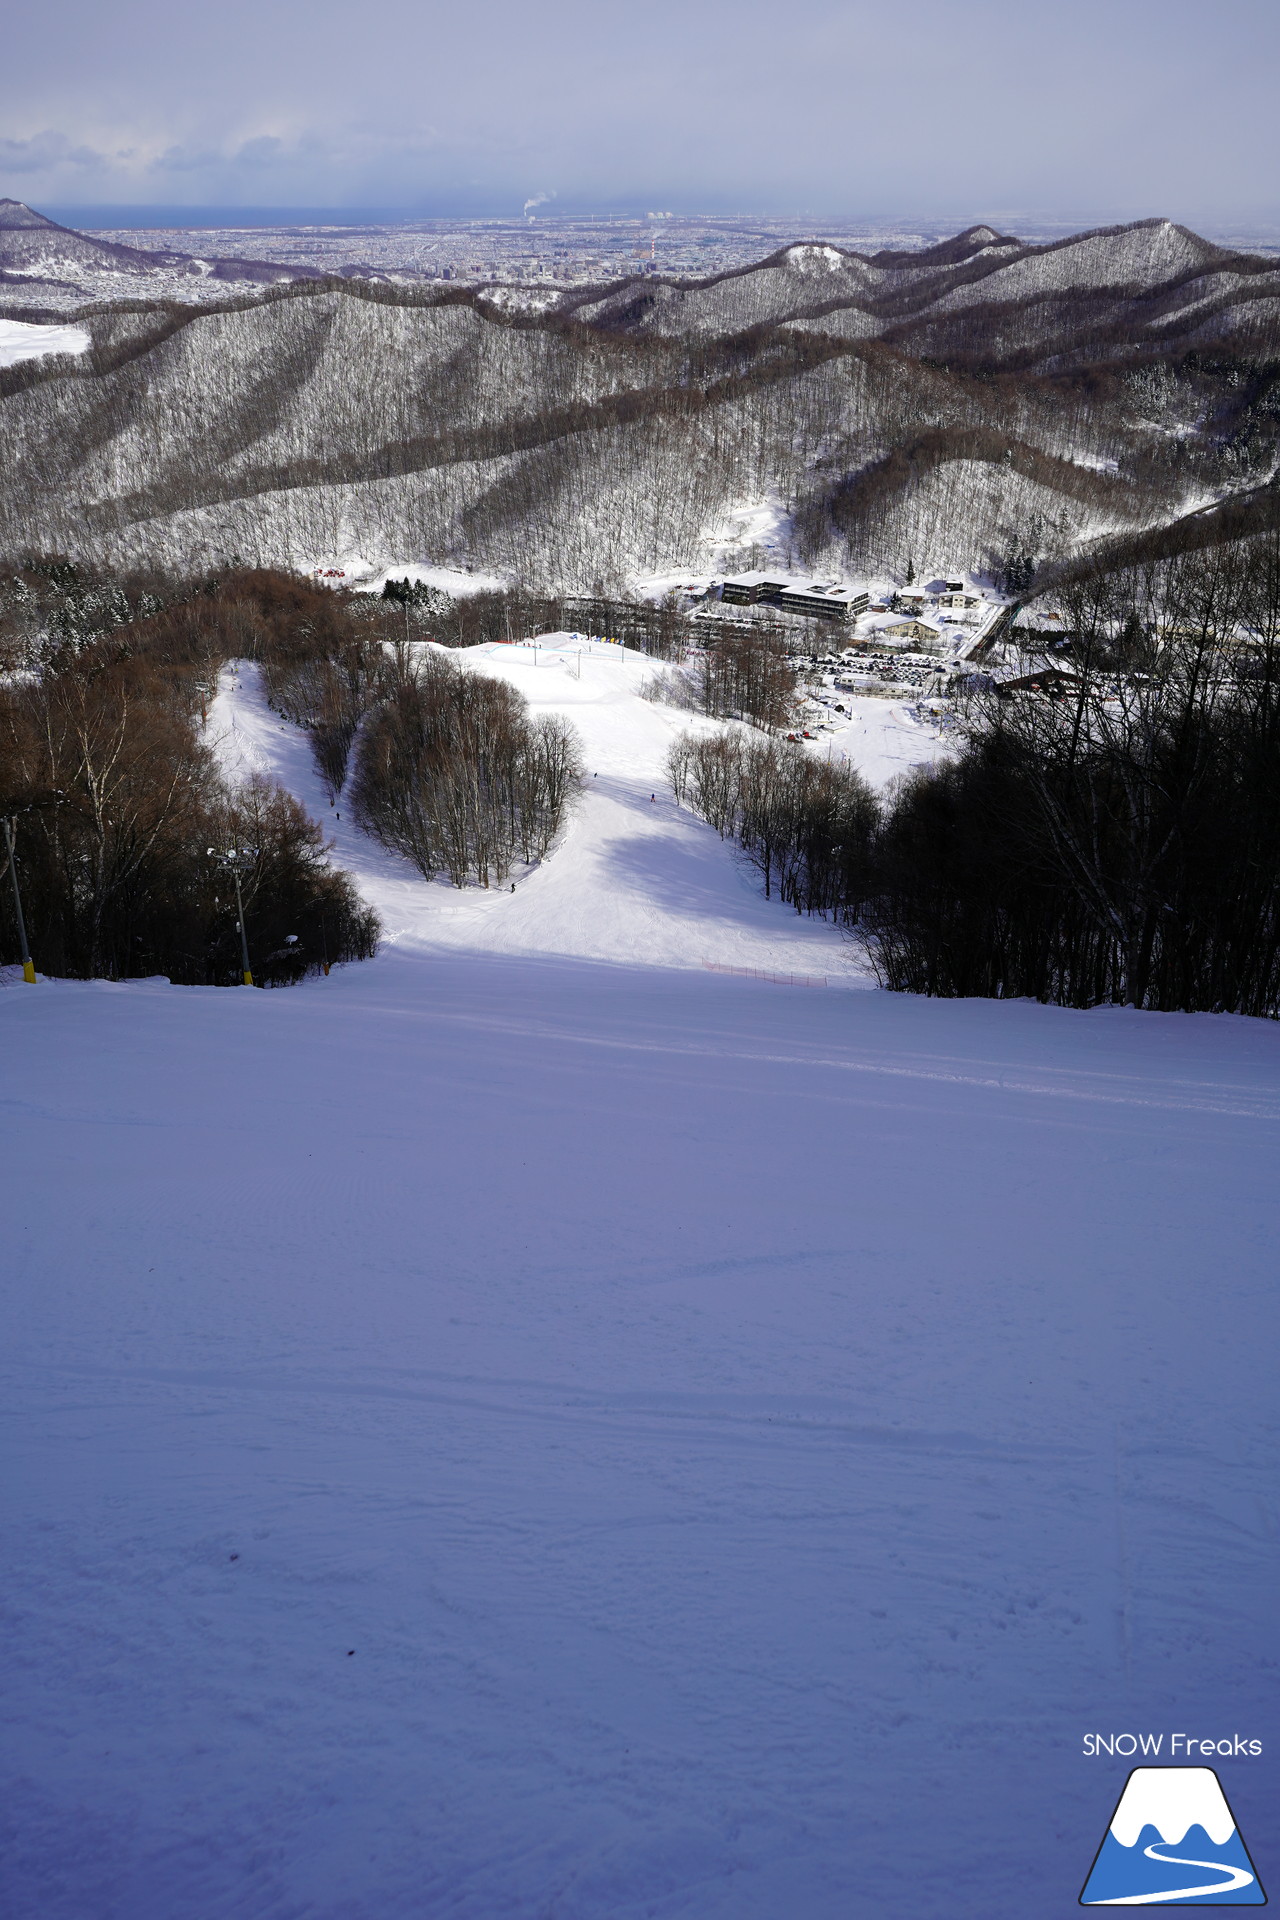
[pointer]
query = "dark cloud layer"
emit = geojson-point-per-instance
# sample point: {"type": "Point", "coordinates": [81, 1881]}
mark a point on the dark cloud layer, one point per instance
{"type": "Point", "coordinates": [1132, 106]}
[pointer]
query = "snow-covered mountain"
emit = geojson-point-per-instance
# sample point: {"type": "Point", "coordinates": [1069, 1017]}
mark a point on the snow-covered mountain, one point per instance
{"type": "Point", "coordinates": [980, 402]}
{"type": "Point", "coordinates": [1150, 276]}
{"type": "Point", "coordinates": [42, 258]}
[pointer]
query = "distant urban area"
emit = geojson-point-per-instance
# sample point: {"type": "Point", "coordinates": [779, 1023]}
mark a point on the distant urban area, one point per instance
{"type": "Point", "coordinates": [563, 250]}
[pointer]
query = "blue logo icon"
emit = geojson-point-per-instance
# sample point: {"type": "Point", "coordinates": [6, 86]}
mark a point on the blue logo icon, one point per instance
{"type": "Point", "coordinates": [1172, 1841]}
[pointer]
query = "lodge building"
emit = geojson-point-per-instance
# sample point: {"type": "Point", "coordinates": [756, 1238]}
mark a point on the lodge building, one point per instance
{"type": "Point", "coordinates": [806, 597]}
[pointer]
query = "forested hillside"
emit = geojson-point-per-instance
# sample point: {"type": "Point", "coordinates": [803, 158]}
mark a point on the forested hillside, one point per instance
{"type": "Point", "coordinates": [982, 404]}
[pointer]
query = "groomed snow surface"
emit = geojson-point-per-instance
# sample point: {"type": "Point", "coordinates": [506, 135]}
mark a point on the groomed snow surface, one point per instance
{"type": "Point", "coordinates": [636, 878]}
{"type": "Point", "coordinates": [529, 1427]}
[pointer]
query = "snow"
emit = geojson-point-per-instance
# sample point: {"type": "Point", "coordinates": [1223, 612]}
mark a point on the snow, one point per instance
{"type": "Point", "coordinates": [451, 580]}
{"type": "Point", "coordinates": [27, 340]}
{"type": "Point", "coordinates": [1128, 258]}
{"type": "Point", "coordinates": [744, 525]}
{"type": "Point", "coordinates": [882, 739]}
{"type": "Point", "coordinates": [635, 878]}
{"type": "Point", "coordinates": [689, 1448]}
{"type": "Point", "coordinates": [529, 1427]}
{"type": "Point", "coordinates": [1173, 1800]}
{"type": "Point", "coordinates": [366, 576]}
{"type": "Point", "coordinates": [810, 259]}
{"type": "Point", "coordinates": [656, 586]}
{"type": "Point", "coordinates": [522, 299]}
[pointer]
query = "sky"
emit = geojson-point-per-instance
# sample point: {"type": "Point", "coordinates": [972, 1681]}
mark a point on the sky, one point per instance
{"type": "Point", "coordinates": [1124, 108]}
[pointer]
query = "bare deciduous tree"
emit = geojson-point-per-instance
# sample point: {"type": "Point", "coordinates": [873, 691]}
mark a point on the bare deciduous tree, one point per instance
{"type": "Point", "coordinates": [453, 773]}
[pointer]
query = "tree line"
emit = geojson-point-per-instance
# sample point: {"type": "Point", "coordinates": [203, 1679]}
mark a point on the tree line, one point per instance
{"type": "Point", "coordinates": [1115, 836]}
{"type": "Point", "coordinates": [807, 826]}
{"type": "Point", "coordinates": [122, 816]}
{"type": "Point", "coordinates": [511, 612]}
{"type": "Point", "coordinates": [443, 765]}
{"type": "Point", "coordinates": [1108, 833]}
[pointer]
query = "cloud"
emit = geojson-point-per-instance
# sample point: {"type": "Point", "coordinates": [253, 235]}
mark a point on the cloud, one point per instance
{"type": "Point", "coordinates": [44, 151]}
{"type": "Point", "coordinates": [264, 151]}
{"type": "Point", "coordinates": [181, 160]}
{"type": "Point", "coordinates": [849, 108]}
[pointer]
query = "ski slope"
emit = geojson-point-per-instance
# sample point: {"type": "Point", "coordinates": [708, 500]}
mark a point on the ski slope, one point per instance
{"type": "Point", "coordinates": [883, 739]}
{"type": "Point", "coordinates": [528, 1427]}
{"type": "Point", "coordinates": [635, 879]}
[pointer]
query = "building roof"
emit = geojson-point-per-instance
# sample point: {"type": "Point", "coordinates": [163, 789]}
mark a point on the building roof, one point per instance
{"type": "Point", "coordinates": [829, 591]}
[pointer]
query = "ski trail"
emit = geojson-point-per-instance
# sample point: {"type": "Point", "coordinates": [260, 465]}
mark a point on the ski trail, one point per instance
{"type": "Point", "coordinates": [1239, 1102]}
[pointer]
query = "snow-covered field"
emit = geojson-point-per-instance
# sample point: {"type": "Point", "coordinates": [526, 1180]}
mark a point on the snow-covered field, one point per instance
{"type": "Point", "coordinates": [528, 1427]}
{"type": "Point", "coordinates": [366, 578]}
{"type": "Point", "coordinates": [30, 340]}
{"type": "Point", "coordinates": [883, 739]}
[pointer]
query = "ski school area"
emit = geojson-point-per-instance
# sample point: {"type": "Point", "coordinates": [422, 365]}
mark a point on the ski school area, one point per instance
{"type": "Point", "coordinates": [558, 1420]}
{"type": "Point", "coordinates": [569, 649]}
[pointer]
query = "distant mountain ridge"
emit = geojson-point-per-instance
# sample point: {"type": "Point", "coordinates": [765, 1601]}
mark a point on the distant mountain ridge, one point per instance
{"type": "Point", "coordinates": [982, 403]}
{"type": "Point", "coordinates": [37, 251]}
{"type": "Point", "coordinates": [1150, 278]}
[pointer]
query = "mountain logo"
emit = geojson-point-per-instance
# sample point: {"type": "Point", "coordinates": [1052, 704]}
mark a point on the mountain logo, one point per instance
{"type": "Point", "coordinates": [1172, 1841]}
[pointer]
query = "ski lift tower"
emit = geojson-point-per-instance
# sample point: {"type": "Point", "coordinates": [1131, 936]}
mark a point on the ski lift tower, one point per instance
{"type": "Point", "coordinates": [235, 861]}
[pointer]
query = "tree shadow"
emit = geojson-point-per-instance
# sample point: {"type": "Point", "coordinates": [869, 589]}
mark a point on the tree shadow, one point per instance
{"type": "Point", "coordinates": [686, 878]}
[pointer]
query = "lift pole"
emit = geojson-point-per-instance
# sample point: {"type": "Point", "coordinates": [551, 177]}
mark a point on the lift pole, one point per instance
{"type": "Point", "coordinates": [235, 861]}
{"type": "Point", "coordinates": [244, 938]}
{"type": "Point", "coordinates": [28, 969]}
